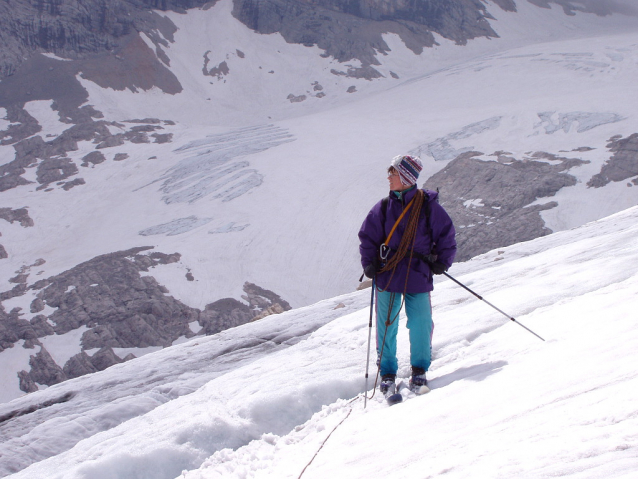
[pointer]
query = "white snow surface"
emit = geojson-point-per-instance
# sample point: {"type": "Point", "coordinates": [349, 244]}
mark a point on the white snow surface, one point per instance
{"type": "Point", "coordinates": [273, 397]}
{"type": "Point", "coordinates": [48, 118]}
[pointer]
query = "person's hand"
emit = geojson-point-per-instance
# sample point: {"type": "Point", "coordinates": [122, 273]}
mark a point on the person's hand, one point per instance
{"type": "Point", "coordinates": [371, 269]}
{"type": "Point", "coordinates": [438, 268]}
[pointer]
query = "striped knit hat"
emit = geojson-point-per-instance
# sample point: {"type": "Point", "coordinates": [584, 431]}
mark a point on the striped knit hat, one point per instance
{"type": "Point", "coordinates": [408, 168]}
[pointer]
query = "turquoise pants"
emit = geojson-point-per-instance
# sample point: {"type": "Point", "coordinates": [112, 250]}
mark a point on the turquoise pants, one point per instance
{"type": "Point", "coordinates": [419, 312]}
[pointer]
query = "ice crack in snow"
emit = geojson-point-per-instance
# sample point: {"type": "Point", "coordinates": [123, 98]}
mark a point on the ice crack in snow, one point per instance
{"type": "Point", "coordinates": [214, 168]}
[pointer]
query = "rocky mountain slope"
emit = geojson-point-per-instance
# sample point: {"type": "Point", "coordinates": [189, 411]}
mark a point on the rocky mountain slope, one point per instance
{"type": "Point", "coordinates": [86, 29]}
{"type": "Point", "coordinates": [113, 302]}
{"type": "Point", "coordinates": [504, 210]}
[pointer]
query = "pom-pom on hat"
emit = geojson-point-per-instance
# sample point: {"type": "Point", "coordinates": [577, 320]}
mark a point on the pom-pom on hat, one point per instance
{"type": "Point", "coordinates": [408, 168]}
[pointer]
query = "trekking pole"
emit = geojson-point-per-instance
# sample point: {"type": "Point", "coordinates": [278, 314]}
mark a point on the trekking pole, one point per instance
{"type": "Point", "coordinates": [483, 299]}
{"type": "Point", "coordinates": [365, 394]}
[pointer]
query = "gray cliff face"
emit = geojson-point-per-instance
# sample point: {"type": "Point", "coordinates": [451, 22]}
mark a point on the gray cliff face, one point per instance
{"type": "Point", "coordinates": [352, 29]}
{"type": "Point", "coordinates": [122, 305]}
{"type": "Point", "coordinates": [102, 41]}
{"type": "Point", "coordinates": [102, 36]}
{"type": "Point", "coordinates": [78, 29]}
{"type": "Point", "coordinates": [490, 202]}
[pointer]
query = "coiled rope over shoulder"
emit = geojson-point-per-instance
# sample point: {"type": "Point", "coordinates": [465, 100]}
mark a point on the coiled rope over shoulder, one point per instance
{"type": "Point", "coordinates": [408, 239]}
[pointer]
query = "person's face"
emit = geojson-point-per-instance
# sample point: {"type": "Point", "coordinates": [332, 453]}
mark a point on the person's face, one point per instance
{"type": "Point", "coordinates": [395, 180]}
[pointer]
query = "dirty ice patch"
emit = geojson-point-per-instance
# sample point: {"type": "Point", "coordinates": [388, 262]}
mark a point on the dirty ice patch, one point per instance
{"type": "Point", "coordinates": [552, 121]}
{"type": "Point", "coordinates": [176, 227]}
{"type": "Point", "coordinates": [47, 118]}
{"type": "Point", "coordinates": [215, 165]}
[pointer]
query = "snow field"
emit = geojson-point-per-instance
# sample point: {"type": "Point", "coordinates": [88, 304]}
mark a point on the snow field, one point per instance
{"type": "Point", "coordinates": [106, 402]}
{"type": "Point", "coordinates": [503, 404]}
{"type": "Point", "coordinates": [259, 400]}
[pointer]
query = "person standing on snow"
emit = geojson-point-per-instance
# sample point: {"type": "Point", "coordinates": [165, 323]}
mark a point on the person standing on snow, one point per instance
{"type": "Point", "coordinates": [405, 239]}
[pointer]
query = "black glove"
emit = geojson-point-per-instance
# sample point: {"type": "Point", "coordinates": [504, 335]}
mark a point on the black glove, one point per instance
{"type": "Point", "coordinates": [438, 267]}
{"type": "Point", "coordinates": [372, 269]}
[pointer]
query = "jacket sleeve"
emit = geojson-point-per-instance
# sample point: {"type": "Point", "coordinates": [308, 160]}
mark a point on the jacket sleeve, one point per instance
{"type": "Point", "coordinates": [371, 235]}
{"type": "Point", "coordinates": [443, 234]}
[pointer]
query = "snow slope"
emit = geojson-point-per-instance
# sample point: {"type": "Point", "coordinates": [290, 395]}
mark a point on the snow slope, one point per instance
{"type": "Point", "coordinates": [260, 400]}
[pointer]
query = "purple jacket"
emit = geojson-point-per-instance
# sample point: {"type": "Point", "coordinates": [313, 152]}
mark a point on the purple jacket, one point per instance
{"type": "Point", "coordinates": [377, 226]}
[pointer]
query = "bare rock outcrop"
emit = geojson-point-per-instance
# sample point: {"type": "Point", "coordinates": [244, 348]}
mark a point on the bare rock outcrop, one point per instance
{"type": "Point", "coordinates": [82, 363]}
{"type": "Point", "coordinates": [44, 369]}
{"type": "Point", "coordinates": [116, 297]}
{"type": "Point", "coordinates": [228, 312]}
{"type": "Point", "coordinates": [224, 314]}
{"type": "Point", "coordinates": [21, 215]}
{"type": "Point", "coordinates": [122, 308]}
{"type": "Point", "coordinates": [26, 382]}
{"type": "Point", "coordinates": [274, 309]}
{"type": "Point", "coordinates": [13, 328]}
{"type": "Point", "coordinates": [622, 165]}
{"type": "Point", "coordinates": [79, 365]}
{"type": "Point", "coordinates": [490, 202]}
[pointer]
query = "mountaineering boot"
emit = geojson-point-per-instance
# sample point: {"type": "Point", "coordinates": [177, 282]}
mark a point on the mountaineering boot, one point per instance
{"type": "Point", "coordinates": [389, 389]}
{"type": "Point", "coordinates": [418, 382]}
{"type": "Point", "coordinates": [387, 386]}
